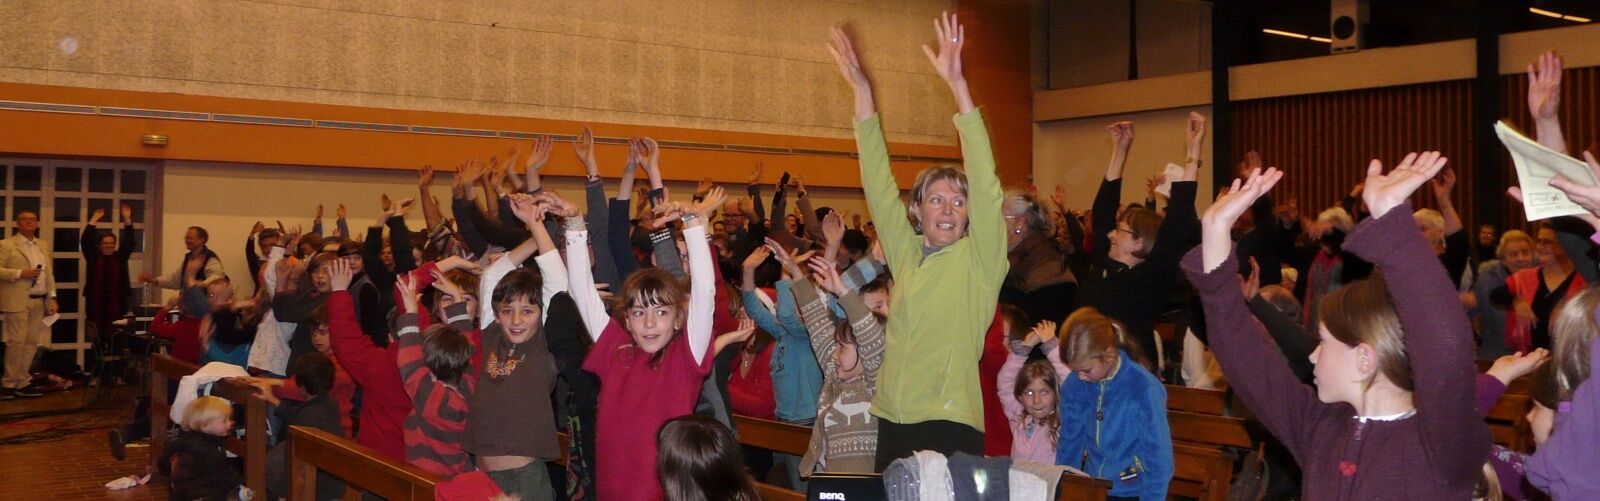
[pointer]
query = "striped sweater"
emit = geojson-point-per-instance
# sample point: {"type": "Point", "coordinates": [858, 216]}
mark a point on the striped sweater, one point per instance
{"type": "Point", "coordinates": [439, 412]}
{"type": "Point", "coordinates": [845, 437]}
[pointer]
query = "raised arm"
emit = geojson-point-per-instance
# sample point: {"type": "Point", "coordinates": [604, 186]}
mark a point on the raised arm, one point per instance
{"type": "Point", "coordinates": [1544, 100]}
{"type": "Point", "coordinates": [1438, 336]}
{"type": "Point", "coordinates": [819, 324]}
{"type": "Point", "coordinates": [899, 239]}
{"type": "Point", "coordinates": [1241, 345]}
{"type": "Point", "coordinates": [431, 215]}
{"type": "Point", "coordinates": [702, 275]}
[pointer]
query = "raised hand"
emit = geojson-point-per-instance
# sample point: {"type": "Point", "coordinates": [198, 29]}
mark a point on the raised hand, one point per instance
{"type": "Point", "coordinates": [1587, 197]}
{"type": "Point", "coordinates": [844, 55]}
{"type": "Point", "coordinates": [789, 261]}
{"type": "Point", "coordinates": [1043, 332]}
{"type": "Point", "coordinates": [1387, 191]}
{"type": "Point", "coordinates": [1252, 286]}
{"type": "Point", "coordinates": [384, 203]}
{"type": "Point", "coordinates": [552, 203]}
{"type": "Point", "coordinates": [708, 205]}
{"type": "Point", "coordinates": [1195, 134]}
{"type": "Point", "coordinates": [410, 298]}
{"type": "Point", "coordinates": [258, 228]}
{"type": "Point", "coordinates": [651, 155]}
{"type": "Point", "coordinates": [833, 228]}
{"type": "Point", "coordinates": [1059, 197]}
{"type": "Point", "coordinates": [664, 213]}
{"type": "Point", "coordinates": [826, 275]}
{"type": "Point", "coordinates": [339, 273]}
{"type": "Point", "coordinates": [757, 256]}
{"type": "Point", "coordinates": [1510, 367]}
{"type": "Point", "coordinates": [527, 209]}
{"type": "Point", "coordinates": [443, 284]}
{"type": "Point", "coordinates": [703, 187]}
{"type": "Point", "coordinates": [799, 188]}
{"type": "Point", "coordinates": [947, 59]}
{"type": "Point", "coordinates": [127, 213]}
{"type": "Point", "coordinates": [1121, 135]}
{"type": "Point", "coordinates": [425, 177]}
{"type": "Point", "coordinates": [584, 146]}
{"type": "Point", "coordinates": [1237, 198]}
{"type": "Point", "coordinates": [1443, 184]}
{"type": "Point", "coordinates": [319, 212]}
{"type": "Point", "coordinates": [755, 173]}
{"type": "Point", "coordinates": [539, 152]}
{"type": "Point", "coordinates": [1544, 86]}
{"type": "Point", "coordinates": [340, 211]}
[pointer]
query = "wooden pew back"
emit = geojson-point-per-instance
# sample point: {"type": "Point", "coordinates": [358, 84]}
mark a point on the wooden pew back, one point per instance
{"type": "Point", "coordinates": [1200, 472]}
{"type": "Point", "coordinates": [1202, 429]}
{"type": "Point", "coordinates": [311, 449]}
{"type": "Point", "coordinates": [1199, 401]}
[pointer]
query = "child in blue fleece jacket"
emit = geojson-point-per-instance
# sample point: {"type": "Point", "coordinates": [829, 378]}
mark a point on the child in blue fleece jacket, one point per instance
{"type": "Point", "coordinates": [1113, 411]}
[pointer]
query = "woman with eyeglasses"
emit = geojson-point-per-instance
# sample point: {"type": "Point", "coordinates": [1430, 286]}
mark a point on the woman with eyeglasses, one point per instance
{"type": "Point", "coordinates": [1136, 251]}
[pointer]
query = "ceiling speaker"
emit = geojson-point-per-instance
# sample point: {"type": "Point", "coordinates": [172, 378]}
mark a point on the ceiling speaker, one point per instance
{"type": "Point", "coordinates": [1347, 22]}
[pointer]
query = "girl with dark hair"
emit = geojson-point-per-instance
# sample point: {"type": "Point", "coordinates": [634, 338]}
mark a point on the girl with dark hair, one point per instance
{"type": "Point", "coordinates": [697, 459]}
{"type": "Point", "coordinates": [652, 362]}
{"type": "Point", "coordinates": [1029, 391]}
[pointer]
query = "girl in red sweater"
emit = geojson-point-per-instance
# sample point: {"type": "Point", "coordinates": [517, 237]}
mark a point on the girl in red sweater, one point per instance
{"type": "Point", "coordinates": [652, 363]}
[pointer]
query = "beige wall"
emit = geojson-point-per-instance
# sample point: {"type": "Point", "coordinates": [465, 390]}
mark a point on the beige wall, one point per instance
{"type": "Point", "coordinates": [1074, 153]}
{"type": "Point", "coordinates": [736, 65]}
{"type": "Point", "coordinates": [227, 199]}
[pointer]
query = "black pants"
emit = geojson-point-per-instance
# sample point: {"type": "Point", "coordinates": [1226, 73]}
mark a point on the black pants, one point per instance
{"type": "Point", "coordinates": [896, 440]}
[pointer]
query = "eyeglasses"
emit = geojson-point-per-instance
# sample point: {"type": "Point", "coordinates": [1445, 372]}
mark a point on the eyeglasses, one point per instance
{"type": "Point", "coordinates": [1124, 230]}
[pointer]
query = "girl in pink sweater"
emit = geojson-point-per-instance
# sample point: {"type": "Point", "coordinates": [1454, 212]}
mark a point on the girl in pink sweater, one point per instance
{"type": "Point", "coordinates": [1027, 392]}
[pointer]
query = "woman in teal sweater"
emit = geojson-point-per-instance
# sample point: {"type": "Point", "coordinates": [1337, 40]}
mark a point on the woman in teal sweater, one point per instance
{"type": "Point", "coordinates": [947, 272]}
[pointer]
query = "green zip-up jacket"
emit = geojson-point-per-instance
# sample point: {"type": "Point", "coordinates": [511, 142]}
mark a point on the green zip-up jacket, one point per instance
{"type": "Point", "coordinates": [943, 304]}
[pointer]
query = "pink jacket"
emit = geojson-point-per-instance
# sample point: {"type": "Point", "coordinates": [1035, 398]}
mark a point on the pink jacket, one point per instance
{"type": "Point", "coordinates": [1041, 446]}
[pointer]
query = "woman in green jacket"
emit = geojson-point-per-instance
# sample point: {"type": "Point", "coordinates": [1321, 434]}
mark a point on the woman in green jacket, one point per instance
{"type": "Point", "coordinates": [948, 262]}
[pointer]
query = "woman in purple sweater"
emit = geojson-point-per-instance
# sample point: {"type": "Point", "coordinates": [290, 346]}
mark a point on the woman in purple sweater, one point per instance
{"type": "Point", "coordinates": [1392, 415]}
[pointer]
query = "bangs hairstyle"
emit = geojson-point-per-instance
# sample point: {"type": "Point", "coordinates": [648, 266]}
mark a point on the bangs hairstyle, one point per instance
{"type": "Point", "coordinates": [469, 282]}
{"type": "Point", "coordinates": [926, 178]}
{"type": "Point", "coordinates": [446, 353]}
{"type": "Point", "coordinates": [882, 283]}
{"type": "Point", "coordinates": [319, 260]}
{"type": "Point", "coordinates": [204, 411]}
{"type": "Point", "coordinates": [521, 283]}
{"type": "Point", "coordinates": [1087, 334]}
{"type": "Point", "coordinates": [1143, 224]}
{"type": "Point", "coordinates": [651, 287]}
{"type": "Point", "coordinates": [1362, 312]}
{"type": "Point", "coordinates": [1571, 331]}
{"type": "Point", "coordinates": [698, 459]}
{"type": "Point", "coordinates": [1041, 370]}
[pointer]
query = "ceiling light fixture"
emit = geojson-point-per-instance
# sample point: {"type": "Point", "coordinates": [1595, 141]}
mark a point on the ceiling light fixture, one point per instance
{"type": "Point", "coordinates": [1292, 34]}
{"type": "Point", "coordinates": [1558, 15]}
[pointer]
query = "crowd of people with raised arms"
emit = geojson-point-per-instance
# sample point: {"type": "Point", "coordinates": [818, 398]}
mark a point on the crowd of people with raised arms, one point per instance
{"type": "Point", "coordinates": [965, 328]}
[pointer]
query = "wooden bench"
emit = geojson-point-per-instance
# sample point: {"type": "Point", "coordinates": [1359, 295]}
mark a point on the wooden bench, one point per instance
{"type": "Point", "coordinates": [1200, 472]}
{"type": "Point", "coordinates": [1076, 488]}
{"type": "Point", "coordinates": [1508, 422]}
{"type": "Point", "coordinates": [311, 450]}
{"type": "Point", "coordinates": [1196, 400]}
{"type": "Point", "coordinates": [253, 448]}
{"type": "Point", "coordinates": [1208, 430]}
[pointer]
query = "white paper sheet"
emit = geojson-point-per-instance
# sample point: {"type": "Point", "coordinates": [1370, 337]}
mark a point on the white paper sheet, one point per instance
{"type": "Point", "coordinates": [1536, 165]}
{"type": "Point", "coordinates": [1174, 172]}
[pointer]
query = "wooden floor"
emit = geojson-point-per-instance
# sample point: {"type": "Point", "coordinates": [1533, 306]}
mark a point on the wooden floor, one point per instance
{"type": "Point", "coordinates": [65, 456]}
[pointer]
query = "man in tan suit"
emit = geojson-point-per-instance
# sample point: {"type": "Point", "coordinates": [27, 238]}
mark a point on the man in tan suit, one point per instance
{"type": "Point", "coordinates": [27, 295]}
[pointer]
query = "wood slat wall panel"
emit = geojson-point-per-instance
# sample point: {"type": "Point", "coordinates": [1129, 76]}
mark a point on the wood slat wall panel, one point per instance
{"type": "Point", "coordinates": [1324, 141]}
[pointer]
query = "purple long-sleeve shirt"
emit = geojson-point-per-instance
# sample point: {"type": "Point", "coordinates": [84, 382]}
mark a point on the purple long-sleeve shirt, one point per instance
{"type": "Point", "coordinates": [1435, 453]}
{"type": "Point", "coordinates": [1567, 466]}
{"type": "Point", "coordinates": [1507, 463]}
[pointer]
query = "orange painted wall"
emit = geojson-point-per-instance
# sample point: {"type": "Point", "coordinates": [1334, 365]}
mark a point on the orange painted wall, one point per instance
{"type": "Point", "coordinates": [33, 133]}
{"type": "Point", "coordinates": [998, 70]}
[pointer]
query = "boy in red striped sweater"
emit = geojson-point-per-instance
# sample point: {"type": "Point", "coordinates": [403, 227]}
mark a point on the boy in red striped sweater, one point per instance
{"type": "Point", "coordinates": [433, 367]}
